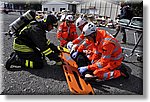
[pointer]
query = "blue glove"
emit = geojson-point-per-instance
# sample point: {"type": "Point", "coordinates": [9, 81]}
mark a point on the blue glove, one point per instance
{"type": "Point", "coordinates": [69, 45]}
{"type": "Point", "coordinates": [74, 55]}
{"type": "Point", "coordinates": [82, 69]}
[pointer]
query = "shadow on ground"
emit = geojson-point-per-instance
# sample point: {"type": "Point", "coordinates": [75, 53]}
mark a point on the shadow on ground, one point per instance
{"type": "Point", "coordinates": [133, 84]}
{"type": "Point", "coordinates": [47, 72]}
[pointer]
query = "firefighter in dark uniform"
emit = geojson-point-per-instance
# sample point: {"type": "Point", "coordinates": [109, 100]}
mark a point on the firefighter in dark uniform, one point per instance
{"type": "Point", "coordinates": [31, 46]}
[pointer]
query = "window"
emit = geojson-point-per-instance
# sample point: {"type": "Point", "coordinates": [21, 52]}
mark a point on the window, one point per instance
{"type": "Point", "coordinates": [53, 9]}
{"type": "Point", "coordinates": [62, 9]}
{"type": "Point", "coordinates": [45, 9]}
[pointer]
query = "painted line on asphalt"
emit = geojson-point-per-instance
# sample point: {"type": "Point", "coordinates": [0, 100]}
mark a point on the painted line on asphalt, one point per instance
{"type": "Point", "coordinates": [125, 48]}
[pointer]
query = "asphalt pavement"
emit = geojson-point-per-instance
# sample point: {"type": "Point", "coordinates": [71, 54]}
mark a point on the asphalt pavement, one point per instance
{"type": "Point", "coordinates": [51, 79]}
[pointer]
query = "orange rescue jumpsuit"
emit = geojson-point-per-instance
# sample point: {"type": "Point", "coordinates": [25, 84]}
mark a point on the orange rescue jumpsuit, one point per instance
{"type": "Point", "coordinates": [93, 54]}
{"type": "Point", "coordinates": [81, 43]}
{"type": "Point", "coordinates": [84, 44]}
{"type": "Point", "coordinates": [66, 34]}
{"type": "Point", "coordinates": [111, 57]}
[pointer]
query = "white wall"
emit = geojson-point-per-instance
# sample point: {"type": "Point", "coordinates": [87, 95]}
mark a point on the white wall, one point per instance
{"type": "Point", "coordinates": [57, 7]}
{"type": "Point", "coordinates": [100, 8]}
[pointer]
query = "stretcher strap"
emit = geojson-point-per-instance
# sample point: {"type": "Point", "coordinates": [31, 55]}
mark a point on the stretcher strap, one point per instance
{"type": "Point", "coordinates": [66, 58]}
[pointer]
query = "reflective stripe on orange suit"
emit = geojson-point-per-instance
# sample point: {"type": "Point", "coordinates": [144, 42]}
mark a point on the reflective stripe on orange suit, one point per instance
{"type": "Point", "coordinates": [66, 34]}
{"type": "Point", "coordinates": [85, 45]}
{"type": "Point", "coordinates": [88, 45]}
{"type": "Point", "coordinates": [96, 55]}
{"type": "Point", "coordinates": [79, 39]}
{"type": "Point", "coordinates": [111, 57]}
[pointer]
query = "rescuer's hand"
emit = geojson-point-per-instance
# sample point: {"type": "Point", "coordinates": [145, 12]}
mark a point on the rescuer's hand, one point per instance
{"type": "Point", "coordinates": [74, 55]}
{"type": "Point", "coordinates": [82, 69]}
{"type": "Point", "coordinates": [69, 45]}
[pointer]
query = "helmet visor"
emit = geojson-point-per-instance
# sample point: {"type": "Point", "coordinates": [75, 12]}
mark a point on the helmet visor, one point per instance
{"type": "Point", "coordinates": [68, 21]}
{"type": "Point", "coordinates": [86, 35]}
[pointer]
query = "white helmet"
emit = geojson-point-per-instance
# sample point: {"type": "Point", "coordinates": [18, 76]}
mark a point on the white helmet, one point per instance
{"type": "Point", "coordinates": [88, 29]}
{"type": "Point", "coordinates": [63, 17]}
{"type": "Point", "coordinates": [69, 18]}
{"type": "Point", "coordinates": [80, 21]}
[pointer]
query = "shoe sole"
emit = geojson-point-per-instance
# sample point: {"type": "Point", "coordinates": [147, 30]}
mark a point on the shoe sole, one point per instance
{"type": "Point", "coordinates": [88, 79]}
{"type": "Point", "coordinates": [8, 63]}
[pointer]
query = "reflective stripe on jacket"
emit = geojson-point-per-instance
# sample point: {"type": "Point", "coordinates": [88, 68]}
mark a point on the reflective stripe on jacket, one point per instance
{"type": "Point", "coordinates": [108, 47]}
{"type": "Point", "coordinates": [79, 39]}
{"type": "Point", "coordinates": [21, 48]}
{"type": "Point", "coordinates": [66, 34]}
{"type": "Point", "coordinates": [47, 52]}
{"type": "Point", "coordinates": [32, 38]}
{"type": "Point", "coordinates": [86, 44]}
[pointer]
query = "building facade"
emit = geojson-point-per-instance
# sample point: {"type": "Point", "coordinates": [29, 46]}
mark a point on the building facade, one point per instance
{"type": "Point", "coordinates": [58, 6]}
{"type": "Point", "coordinates": [101, 7]}
{"type": "Point", "coordinates": [107, 8]}
{"type": "Point", "coordinates": [54, 6]}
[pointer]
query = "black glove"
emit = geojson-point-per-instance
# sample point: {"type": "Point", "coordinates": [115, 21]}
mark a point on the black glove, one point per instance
{"type": "Point", "coordinates": [54, 48]}
{"type": "Point", "coordinates": [54, 56]}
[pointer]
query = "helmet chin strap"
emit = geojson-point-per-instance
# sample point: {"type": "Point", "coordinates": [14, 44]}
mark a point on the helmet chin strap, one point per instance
{"type": "Point", "coordinates": [67, 22]}
{"type": "Point", "coordinates": [94, 37]}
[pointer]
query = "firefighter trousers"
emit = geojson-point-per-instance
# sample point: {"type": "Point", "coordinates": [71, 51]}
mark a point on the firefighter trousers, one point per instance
{"type": "Point", "coordinates": [31, 59]}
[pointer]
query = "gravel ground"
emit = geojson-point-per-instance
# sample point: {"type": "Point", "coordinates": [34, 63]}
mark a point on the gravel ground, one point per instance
{"type": "Point", "coordinates": [51, 79]}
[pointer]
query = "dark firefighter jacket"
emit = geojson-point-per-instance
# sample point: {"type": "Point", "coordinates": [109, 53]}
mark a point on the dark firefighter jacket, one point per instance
{"type": "Point", "coordinates": [32, 38]}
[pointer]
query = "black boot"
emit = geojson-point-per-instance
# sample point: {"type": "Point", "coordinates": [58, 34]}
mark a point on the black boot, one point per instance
{"type": "Point", "coordinates": [13, 60]}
